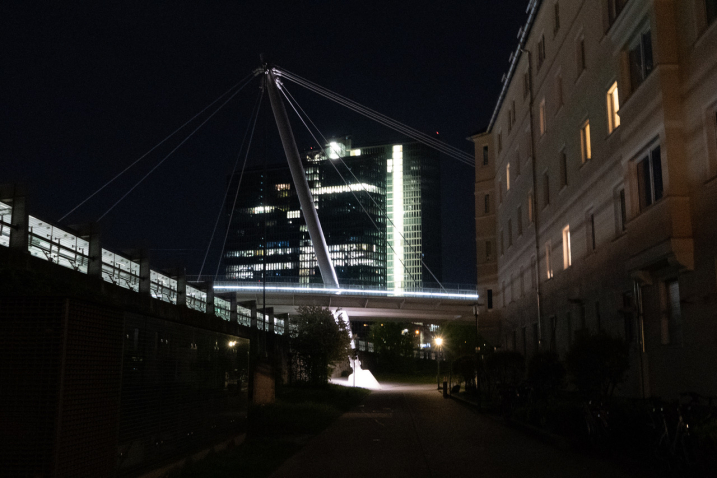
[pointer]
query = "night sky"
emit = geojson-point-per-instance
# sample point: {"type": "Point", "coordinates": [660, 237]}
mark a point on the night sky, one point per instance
{"type": "Point", "coordinates": [86, 90]}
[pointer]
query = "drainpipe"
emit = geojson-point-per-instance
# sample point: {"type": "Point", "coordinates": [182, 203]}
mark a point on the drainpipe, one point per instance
{"type": "Point", "coordinates": [535, 200]}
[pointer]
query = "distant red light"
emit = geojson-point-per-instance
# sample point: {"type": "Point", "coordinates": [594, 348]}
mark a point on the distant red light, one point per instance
{"type": "Point", "coordinates": [436, 132]}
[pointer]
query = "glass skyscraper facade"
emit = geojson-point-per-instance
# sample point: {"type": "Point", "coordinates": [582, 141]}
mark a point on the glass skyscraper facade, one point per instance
{"type": "Point", "coordinates": [379, 210]}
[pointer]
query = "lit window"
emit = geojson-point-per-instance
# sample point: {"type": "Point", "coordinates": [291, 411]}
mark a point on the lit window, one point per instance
{"type": "Point", "coordinates": [548, 264]}
{"type": "Point", "coordinates": [542, 117]}
{"type": "Point", "coordinates": [613, 106]}
{"type": "Point", "coordinates": [641, 63]}
{"type": "Point", "coordinates": [649, 178]}
{"type": "Point", "coordinates": [567, 253]}
{"type": "Point", "coordinates": [507, 177]}
{"type": "Point", "coordinates": [585, 146]}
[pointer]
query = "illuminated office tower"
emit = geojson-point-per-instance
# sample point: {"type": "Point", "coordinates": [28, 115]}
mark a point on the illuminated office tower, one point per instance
{"type": "Point", "coordinates": [354, 190]}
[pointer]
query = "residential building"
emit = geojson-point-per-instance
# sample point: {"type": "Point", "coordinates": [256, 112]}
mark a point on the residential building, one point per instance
{"type": "Point", "coordinates": [609, 112]}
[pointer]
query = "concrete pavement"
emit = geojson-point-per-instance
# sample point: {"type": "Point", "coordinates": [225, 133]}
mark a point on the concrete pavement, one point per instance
{"type": "Point", "coordinates": [411, 431]}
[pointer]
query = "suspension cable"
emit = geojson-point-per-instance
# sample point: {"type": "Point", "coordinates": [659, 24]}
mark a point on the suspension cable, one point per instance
{"type": "Point", "coordinates": [226, 191]}
{"type": "Point", "coordinates": [281, 88]}
{"type": "Point", "coordinates": [368, 111]}
{"type": "Point", "coordinates": [241, 176]}
{"type": "Point", "coordinates": [173, 150]}
{"type": "Point", "coordinates": [247, 78]}
{"type": "Point", "coordinates": [413, 133]}
{"type": "Point", "coordinates": [408, 243]}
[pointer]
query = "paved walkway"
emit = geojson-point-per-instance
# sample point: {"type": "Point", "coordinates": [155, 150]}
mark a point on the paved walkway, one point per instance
{"type": "Point", "coordinates": [412, 431]}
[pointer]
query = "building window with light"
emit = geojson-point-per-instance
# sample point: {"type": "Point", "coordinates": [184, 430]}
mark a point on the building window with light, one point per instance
{"type": "Point", "coordinates": [542, 118]}
{"type": "Point", "coordinates": [649, 178]}
{"type": "Point", "coordinates": [567, 252]}
{"type": "Point", "coordinates": [507, 177]}
{"type": "Point", "coordinates": [585, 145]}
{"type": "Point", "coordinates": [641, 61]}
{"type": "Point", "coordinates": [613, 106]}
{"type": "Point", "coordinates": [548, 262]}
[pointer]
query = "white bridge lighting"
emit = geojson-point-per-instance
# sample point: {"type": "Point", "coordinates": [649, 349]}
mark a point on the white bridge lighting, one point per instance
{"type": "Point", "coordinates": [335, 291]}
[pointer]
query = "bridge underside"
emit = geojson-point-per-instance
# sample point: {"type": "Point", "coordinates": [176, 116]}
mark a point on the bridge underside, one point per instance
{"type": "Point", "coordinates": [363, 308]}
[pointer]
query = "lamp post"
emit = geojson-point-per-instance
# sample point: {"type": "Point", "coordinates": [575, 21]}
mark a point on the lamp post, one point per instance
{"type": "Point", "coordinates": [439, 342]}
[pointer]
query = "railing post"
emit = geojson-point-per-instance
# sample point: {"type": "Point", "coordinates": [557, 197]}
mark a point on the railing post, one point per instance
{"type": "Point", "coordinates": [209, 288]}
{"type": "Point", "coordinates": [94, 254]}
{"type": "Point", "coordinates": [233, 316]}
{"type": "Point", "coordinates": [19, 234]}
{"type": "Point", "coordinates": [181, 277]}
{"type": "Point", "coordinates": [145, 279]}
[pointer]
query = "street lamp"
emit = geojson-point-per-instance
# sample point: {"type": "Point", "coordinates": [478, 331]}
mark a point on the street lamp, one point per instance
{"type": "Point", "coordinates": [439, 342]}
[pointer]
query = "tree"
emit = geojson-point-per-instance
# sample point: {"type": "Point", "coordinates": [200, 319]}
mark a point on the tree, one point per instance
{"type": "Point", "coordinates": [320, 341]}
{"type": "Point", "coordinates": [597, 363]}
{"type": "Point", "coordinates": [390, 341]}
{"type": "Point", "coordinates": [459, 340]}
{"type": "Point", "coordinates": [546, 373]}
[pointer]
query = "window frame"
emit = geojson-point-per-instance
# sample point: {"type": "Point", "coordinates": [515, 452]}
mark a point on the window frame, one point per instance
{"type": "Point", "coordinates": [613, 108]}
{"type": "Point", "coordinates": [652, 155]}
{"type": "Point", "coordinates": [585, 142]}
{"type": "Point", "coordinates": [637, 78]}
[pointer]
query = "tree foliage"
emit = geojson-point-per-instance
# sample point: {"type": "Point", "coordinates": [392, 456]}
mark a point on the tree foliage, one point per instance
{"type": "Point", "coordinates": [320, 341]}
{"type": "Point", "coordinates": [546, 373]}
{"type": "Point", "coordinates": [389, 340]}
{"type": "Point", "coordinates": [597, 363]}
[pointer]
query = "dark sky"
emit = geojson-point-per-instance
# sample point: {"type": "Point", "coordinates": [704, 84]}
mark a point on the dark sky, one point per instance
{"type": "Point", "coordinates": [86, 90]}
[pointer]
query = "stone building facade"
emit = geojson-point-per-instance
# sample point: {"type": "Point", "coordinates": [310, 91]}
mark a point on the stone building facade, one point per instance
{"type": "Point", "coordinates": [596, 187]}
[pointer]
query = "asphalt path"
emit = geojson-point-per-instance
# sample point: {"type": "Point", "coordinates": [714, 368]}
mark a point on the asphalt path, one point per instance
{"type": "Point", "coordinates": [412, 431]}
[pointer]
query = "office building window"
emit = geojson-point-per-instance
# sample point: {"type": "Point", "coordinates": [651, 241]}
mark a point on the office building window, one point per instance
{"type": "Point", "coordinates": [517, 164]}
{"type": "Point", "coordinates": [486, 205]}
{"type": "Point", "coordinates": [711, 10]}
{"type": "Point", "coordinates": [546, 190]}
{"type": "Point", "coordinates": [567, 252]}
{"type": "Point", "coordinates": [530, 206]}
{"type": "Point", "coordinates": [563, 169]}
{"type": "Point", "coordinates": [512, 116]}
{"type": "Point", "coordinates": [500, 192]}
{"type": "Point", "coordinates": [556, 17]}
{"type": "Point", "coordinates": [510, 120]}
{"type": "Point", "coordinates": [548, 262]}
{"type": "Point", "coordinates": [641, 59]}
{"type": "Point", "coordinates": [613, 106]}
{"type": "Point", "coordinates": [507, 177]}
{"type": "Point", "coordinates": [522, 282]}
{"type": "Point", "coordinates": [671, 313]}
{"type": "Point", "coordinates": [500, 142]}
{"type": "Point", "coordinates": [502, 244]}
{"type": "Point", "coordinates": [510, 232]}
{"type": "Point", "coordinates": [526, 84]}
{"type": "Point", "coordinates": [512, 288]}
{"type": "Point", "coordinates": [541, 51]}
{"type": "Point", "coordinates": [502, 294]}
{"type": "Point", "coordinates": [519, 217]}
{"type": "Point", "coordinates": [488, 250]}
{"type": "Point", "coordinates": [649, 178]}
{"type": "Point", "coordinates": [585, 145]}
{"type": "Point", "coordinates": [580, 55]}
{"type": "Point", "coordinates": [614, 7]}
{"type": "Point", "coordinates": [541, 117]}
{"type": "Point", "coordinates": [485, 155]}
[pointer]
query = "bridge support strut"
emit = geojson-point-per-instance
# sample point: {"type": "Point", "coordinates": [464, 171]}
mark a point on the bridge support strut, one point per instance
{"type": "Point", "coordinates": [328, 274]}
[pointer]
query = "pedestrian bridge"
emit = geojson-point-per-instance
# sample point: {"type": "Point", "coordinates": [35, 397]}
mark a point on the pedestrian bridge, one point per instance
{"type": "Point", "coordinates": [360, 303]}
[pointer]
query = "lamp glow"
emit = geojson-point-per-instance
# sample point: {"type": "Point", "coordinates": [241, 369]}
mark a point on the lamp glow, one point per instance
{"type": "Point", "coordinates": [439, 341]}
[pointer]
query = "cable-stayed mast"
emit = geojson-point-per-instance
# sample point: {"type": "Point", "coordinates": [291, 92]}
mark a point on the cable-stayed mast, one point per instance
{"type": "Point", "coordinates": [328, 274]}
